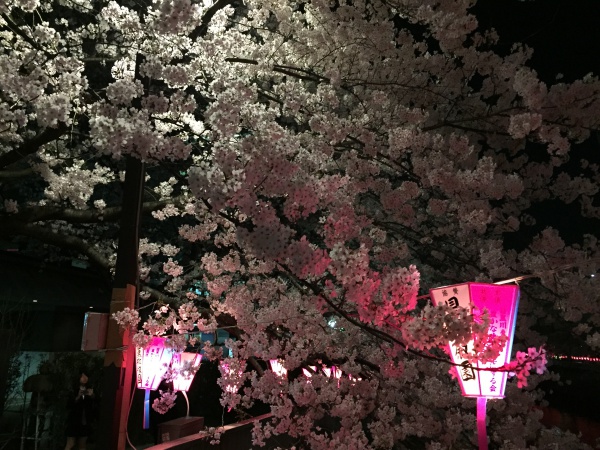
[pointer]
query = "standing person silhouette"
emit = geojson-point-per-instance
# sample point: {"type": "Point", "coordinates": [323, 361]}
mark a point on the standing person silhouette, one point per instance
{"type": "Point", "coordinates": [80, 414]}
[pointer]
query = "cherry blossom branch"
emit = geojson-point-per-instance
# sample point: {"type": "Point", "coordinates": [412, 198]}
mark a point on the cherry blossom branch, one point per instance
{"type": "Point", "coordinates": [372, 331]}
{"type": "Point", "coordinates": [524, 363]}
{"type": "Point", "coordinates": [111, 214]}
{"type": "Point", "coordinates": [33, 145]}
{"type": "Point", "coordinates": [384, 160]}
{"type": "Point", "coordinates": [454, 123]}
{"type": "Point", "coordinates": [284, 70]}
{"type": "Point", "coordinates": [12, 26]}
{"type": "Point", "coordinates": [404, 231]}
{"type": "Point", "coordinates": [202, 29]}
{"type": "Point", "coordinates": [157, 295]}
{"type": "Point", "coordinates": [547, 272]}
{"type": "Point", "coordinates": [357, 82]}
{"type": "Point", "coordinates": [446, 123]}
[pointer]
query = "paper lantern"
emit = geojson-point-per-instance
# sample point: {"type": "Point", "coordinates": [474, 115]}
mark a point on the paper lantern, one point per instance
{"type": "Point", "coordinates": [185, 365]}
{"type": "Point", "coordinates": [329, 372]}
{"type": "Point", "coordinates": [332, 372]}
{"type": "Point", "coordinates": [151, 364]}
{"type": "Point", "coordinates": [501, 301]}
{"type": "Point", "coordinates": [278, 368]}
{"type": "Point", "coordinates": [307, 373]}
{"type": "Point", "coordinates": [235, 379]}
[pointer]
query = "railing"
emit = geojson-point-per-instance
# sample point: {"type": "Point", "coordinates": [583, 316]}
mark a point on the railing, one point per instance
{"type": "Point", "coordinates": [236, 436]}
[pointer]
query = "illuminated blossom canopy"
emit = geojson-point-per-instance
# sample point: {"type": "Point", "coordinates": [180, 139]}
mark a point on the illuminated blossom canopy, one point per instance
{"type": "Point", "coordinates": [312, 168]}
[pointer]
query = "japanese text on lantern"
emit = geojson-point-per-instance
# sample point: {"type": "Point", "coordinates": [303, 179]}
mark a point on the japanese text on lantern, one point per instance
{"type": "Point", "coordinates": [501, 304]}
{"type": "Point", "coordinates": [139, 357]}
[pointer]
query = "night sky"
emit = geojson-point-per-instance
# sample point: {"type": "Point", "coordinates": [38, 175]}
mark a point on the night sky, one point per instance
{"type": "Point", "coordinates": [565, 34]}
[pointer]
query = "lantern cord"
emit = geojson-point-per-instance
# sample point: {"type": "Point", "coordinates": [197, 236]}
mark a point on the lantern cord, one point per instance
{"type": "Point", "coordinates": [546, 272]}
{"type": "Point", "coordinates": [534, 275]}
{"type": "Point", "coordinates": [187, 401]}
{"type": "Point", "coordinates": [482, 438]}
{"type": "Point", "coordinates": [128, 411]}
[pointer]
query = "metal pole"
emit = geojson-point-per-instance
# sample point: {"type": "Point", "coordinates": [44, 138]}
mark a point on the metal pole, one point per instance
{"type": "Point", "coordinates": [482, 438]}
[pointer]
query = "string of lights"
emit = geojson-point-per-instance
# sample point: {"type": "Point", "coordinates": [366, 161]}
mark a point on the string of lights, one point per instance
{"type": "Point", "coordinates": [574, 358]}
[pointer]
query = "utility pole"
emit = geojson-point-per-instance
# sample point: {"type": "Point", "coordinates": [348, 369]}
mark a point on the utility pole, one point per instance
{"type": "Point", "coordinates": [119, 357]}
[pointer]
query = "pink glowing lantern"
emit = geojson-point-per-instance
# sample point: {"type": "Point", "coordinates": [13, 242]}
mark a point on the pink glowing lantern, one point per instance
{"type": "Point", "coordinates": [151, 364]}
{"type": "Point", "coordinates": [185, 366]}
{"type": "Point", "coordinates": [501, 301]}
{"type": "Point", "coordinates": [333, 372]}
{"type": "Point", "coordinates": [278, 368]}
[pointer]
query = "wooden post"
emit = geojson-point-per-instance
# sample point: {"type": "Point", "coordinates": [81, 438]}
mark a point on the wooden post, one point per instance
{"type": "Point", "coordinates": [120, 355]}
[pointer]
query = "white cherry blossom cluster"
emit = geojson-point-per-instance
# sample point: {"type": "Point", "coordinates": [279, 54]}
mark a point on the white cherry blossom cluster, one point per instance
{"type": "Point", "coordinates": [165, 402]}
{"type": "Point", "coordinates": [127, 318]}
{"type": "Point", "coordinates": [172, 268]}
{"type": "Point", "coordinates": [336, 162]}
{"type": "Point", "coordinates": [436, 325]}
{"type": "Point", "coordinates": [123, 91]}
{"type": "Point", "coordinates": [168, 211]}
{"type": "Point", "coordinates": [76, 184]}
{"type": "Point", "coordinates": [11, 206]}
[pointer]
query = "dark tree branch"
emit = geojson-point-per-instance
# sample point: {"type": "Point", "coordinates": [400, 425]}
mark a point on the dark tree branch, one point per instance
{"type": "Point", "coordinates": [112, 214]}
{"type": "Point", "coordinates": [156, 295]}
{"type": "Point", "coordinates": [295, 72]}
{"type": "Point", "coordinates": [11, 174]}
{"type": "Point", "coordinates": [32, 146]}
{"type": "Point", "coordinates": [17, 30]}
{"type": "Point", "coordinates": [47, 236]}
{"type": "Point", "coordinates": [202, 29]}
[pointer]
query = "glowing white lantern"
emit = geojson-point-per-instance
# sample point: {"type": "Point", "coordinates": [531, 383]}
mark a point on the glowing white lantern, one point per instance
{"type": "Point", "coordinates": [307, 373]}
{"type": "Point", "coordinates": [278, 368]}
{"type": "Point", "coordinates": [234, 379]}
{"type": "Point", "coordinates": [332, 372]}
{"type": "Point", "coordinates": [151, 363]}
{"type": "Point", "coordinates": [185, 366]}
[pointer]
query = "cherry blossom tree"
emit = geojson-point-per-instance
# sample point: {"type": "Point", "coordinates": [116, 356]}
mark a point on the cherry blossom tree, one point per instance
{"type": "Point", "coordinates": [313, 168]}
